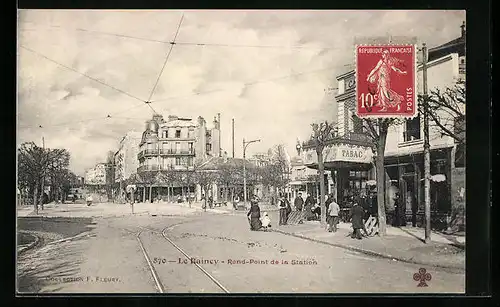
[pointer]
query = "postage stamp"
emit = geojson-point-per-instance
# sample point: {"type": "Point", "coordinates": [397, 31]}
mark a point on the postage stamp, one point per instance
{"type": "Point", "coordinates": [386, 81]}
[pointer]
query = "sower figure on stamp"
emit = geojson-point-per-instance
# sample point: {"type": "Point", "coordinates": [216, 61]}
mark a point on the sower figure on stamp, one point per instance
{"type": "Point", "coordinates": [357, 214]}
{"type": "Point", "coordinates": [381, 76]}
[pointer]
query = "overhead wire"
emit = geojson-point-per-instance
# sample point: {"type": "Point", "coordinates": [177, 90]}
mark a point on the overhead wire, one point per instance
{"type": "Point", "coordinates": [188, 43]}
{"type": "Point", "coordinates": [80, 73]}
{"type": "Point", "coordinates": [246, 84]}
{"type": "Point", "coordinates": [167, 57]}
{"type": "Point", "coordinates": [172, 43]}
{"type": "Point", "coordinates": [112, 115]}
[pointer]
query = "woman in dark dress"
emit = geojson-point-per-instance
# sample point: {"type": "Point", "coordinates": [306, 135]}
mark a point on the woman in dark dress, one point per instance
{"type": "Point", "coordinates": [357, 214]}
{"type": "Point", "coordinates": [254, 215]}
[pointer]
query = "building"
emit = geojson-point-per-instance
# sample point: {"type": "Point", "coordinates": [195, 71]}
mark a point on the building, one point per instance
{"type": "Point", "coordinates": [125, 160]}
{"type": "Point", "coordinates": [305, 180]}
{"type": "Point", "coordinates": [171, 149]}
{"type": "Point", "coordinates": [227, 181]}
{"type": "Point", "coordinates": [96, 175]}
{"type": "Point", "coordinates": [350, 153]}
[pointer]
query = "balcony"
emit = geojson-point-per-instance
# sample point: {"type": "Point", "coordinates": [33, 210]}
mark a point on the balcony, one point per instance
{"type": "Point", "coordinates": [173, 152]}
{"type": "Point", "coordinates": [156, 167]}
{"type": "Point", "coordinates": [147, 152]}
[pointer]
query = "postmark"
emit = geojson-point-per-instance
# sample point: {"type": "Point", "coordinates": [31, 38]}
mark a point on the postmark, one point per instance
{"type": "Point", "coordinates": [386, 81]}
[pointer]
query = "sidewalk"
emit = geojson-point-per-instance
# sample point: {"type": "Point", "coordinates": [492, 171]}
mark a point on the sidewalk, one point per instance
{"type": "Point", "coordinates": [402, 244]}
{"type": "Point", "coordinates": [117, 210]}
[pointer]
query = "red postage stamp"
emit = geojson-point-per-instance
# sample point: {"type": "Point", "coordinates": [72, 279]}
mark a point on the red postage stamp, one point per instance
{"type": "Point", "coordinates": [386, 81]}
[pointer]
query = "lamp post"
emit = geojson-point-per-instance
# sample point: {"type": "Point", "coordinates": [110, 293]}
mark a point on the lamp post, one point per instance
{"type": "Point", "coordinates": [245, 144]}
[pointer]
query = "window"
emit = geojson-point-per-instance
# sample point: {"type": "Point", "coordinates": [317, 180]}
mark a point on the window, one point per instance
{"type": "Point", "coordinates": [209, 147]}
{"type": "Point", "coordinates": [190, 147]}
{"type": "Point", "coordinates": [190, 161]}
{"type": "Point", "coordinates": [341, 86]}
{"type": "Point", "coordinates": [357, 124]}
{"type": "Point", "coordinates": [178, 147]}
{"type": "Point", "coordinates": [177, 160]}
{"type": "Point", "coordinates": [178, 133]}
{"type": "Point", "coordinates": [164, 134]}
{"type": "Point", "coordinates": [460, 156]}
{"type": "Point", "coordinates": [350, 121]}
{"type": "Point", "coordinates": [459, 127]}
{"type": "Point", "coordinates": [191, 133]}
{"type": "Point", "coordinates": [165, 146]}
{"type": "Point", "coordinates": [412, 129]}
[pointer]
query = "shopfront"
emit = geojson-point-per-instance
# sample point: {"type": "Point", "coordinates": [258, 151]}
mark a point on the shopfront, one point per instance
{"type": "Point", "coordinates": [351, 165]}
{"type": "Point", "coordinates": [405, 174]}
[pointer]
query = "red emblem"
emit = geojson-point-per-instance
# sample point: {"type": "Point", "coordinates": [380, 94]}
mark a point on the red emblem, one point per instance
{"type": "Point", "coordinates": [422, 276]}
{"type": "Point", "coordinates": [386, 81]}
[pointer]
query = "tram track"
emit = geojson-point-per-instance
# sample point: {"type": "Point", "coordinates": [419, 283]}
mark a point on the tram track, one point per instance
{"type": "Point", "coordinates": [157, 279]}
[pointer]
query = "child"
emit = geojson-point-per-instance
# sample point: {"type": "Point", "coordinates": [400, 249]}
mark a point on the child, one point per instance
{"type": "Point", "coordinates": [266, 221]}
{"type": "Point", "coordinates": [89, 200]}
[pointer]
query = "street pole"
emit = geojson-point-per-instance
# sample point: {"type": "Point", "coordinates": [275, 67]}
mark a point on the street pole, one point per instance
{"type": "Point", "coordinates": [244, 175]}
{"type": "Point", "coordinates": [43, 174]}
{"type": "Point", "coordinates": [427, 155]}
{"type": "Point", "coordinates": [245, 144]}
{"type": "Point", "coordinates": [233, 137]}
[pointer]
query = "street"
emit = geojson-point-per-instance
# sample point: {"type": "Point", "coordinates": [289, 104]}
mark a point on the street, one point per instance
{"type": "Point", "coordinates": [230, 258]}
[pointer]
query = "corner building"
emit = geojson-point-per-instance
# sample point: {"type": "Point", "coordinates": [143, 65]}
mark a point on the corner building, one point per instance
{"type": "Point", "coordinates": [350, 157]}
{"type": "Point", "coordinates": [168, 151]}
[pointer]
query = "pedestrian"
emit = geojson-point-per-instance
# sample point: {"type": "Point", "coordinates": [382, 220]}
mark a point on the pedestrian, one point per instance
{"type": "Point", "coordinates": [236, 202]}
{"type": "Point", "coordinates": [329, 200]}
{"type": "Point", "coordinates": [333, 215]}
{"type": "Point", "coordinates": [397, 209]}
{"type": "Point", "coordinates": [308, 208]}
{"type": "Point", "coordinates": [253, 215]}
{"type": "Point", "coordinates": [357, 214]}
{"type": "Point", "coordinates": [298, 202]}
{"type": "Point", "coordinates": [288, 208]}
{"type": "Point", "coordinates": [282, 206]}
{"type": "Point", "coordinates": [89, 200]}
{"type": "Point", "coordinates": [265, 221]}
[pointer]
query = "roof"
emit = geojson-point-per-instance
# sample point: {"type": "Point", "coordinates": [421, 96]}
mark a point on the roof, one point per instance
{"type": "Point", "coordinates": [215, 163]}
{"type": "Point", "coordinates": [179, 123]}
{"type": "Point", "coordinates": [295, 161]}
{"type": "Point", "coordinates": [454, 46]}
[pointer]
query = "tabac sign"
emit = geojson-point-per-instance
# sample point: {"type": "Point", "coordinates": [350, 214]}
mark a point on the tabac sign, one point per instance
{"type": "Point", "coordinates": [340, 153]}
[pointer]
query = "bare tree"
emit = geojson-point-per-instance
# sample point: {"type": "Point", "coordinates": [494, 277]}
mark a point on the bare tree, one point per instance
{"type": "Point", "coordinates": [446, 109]}
{"type": "Point", "coordinates": [377, 131]}
{"type": "Point", "coordinates": [205, 178]}
{"type": "Point", "coordinates": [322, 133]}
{"type": "Point", "coordinates": [35, 164]}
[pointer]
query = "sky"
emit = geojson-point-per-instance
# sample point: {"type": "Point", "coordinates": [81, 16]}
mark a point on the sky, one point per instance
{"type": "Point", "coordinates": [266, 69]}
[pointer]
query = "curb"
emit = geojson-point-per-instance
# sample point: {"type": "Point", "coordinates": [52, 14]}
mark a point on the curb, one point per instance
{"type": "Point", "coordinates": [371, 253]}
{"type": "Point", "coordinates": [83, 234]}
{"type": "Point", "coordinates": [31, 245]}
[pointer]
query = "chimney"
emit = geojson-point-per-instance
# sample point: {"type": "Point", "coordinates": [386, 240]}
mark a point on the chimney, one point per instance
{"type": "Point", "coordinates": [463, 28]}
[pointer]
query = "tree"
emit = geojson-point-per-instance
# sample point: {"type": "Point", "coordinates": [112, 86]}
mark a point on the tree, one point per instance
{"type": "Point", "coordinates": [36, 165]}
{"type": "Point", "coordinates": [205, 178]}
{"type": "Point", "coordinates": [57, 171]}
{"type": "Point", "coordinates": [446, 109]}
{"type": "Point", "coordinates": [322, 133]}
{"type": "Point", "coordinates": [227, 175]}
{"type": "Point", "coordinates": [377, 131]}
{"type": "Point", "coordinates": [110, 173]}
